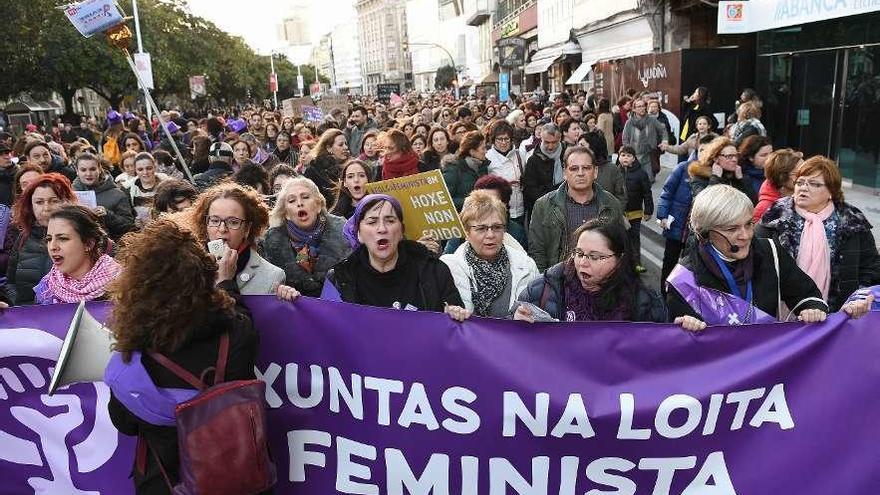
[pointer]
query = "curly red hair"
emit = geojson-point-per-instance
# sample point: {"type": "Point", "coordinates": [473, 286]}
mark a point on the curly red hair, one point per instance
{"type": "Point", "coordinates": [157, 304]}
{"type": "Point", "coordinates": [23, 211]}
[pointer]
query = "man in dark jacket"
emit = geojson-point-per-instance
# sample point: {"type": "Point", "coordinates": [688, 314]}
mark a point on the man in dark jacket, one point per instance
{"type": "Point", "coordinates": [113, 206]}
{"type": "Point", "coordinates": [8, 168]}
{"type": "Point", "coordinates": [559, 213]}
{"type": "Point", "coordinates": [357, 126]}
{"type": "Point", "coordinates": [543, 172]}
{"type": "Point", "coordinates": [220, 156]}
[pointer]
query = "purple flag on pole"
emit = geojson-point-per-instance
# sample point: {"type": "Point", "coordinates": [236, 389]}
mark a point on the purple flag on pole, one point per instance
{"type": "Point", "coordinates": [370, 400]}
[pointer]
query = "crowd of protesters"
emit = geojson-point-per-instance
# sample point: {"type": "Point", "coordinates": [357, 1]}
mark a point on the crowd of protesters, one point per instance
{"type": "Point", "coordinates": [551, 194]}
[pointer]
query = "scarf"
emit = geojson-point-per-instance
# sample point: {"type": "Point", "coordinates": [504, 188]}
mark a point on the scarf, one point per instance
{"type": "Point", "coordinates": [490, 278]}
{"type": "Point", "coordinates": [306, 243]}
{"type": "Point", "coordinates": [473, 163]}
{"type": "Point", "coordinates": [583, 305]}
{"type": "Point", "coordinates": [406, 164]}
{"type": "Point", "coordinates": [92, 286]}
{"type": "Point", "coordinates": [558, 177]}
{"type": "Point", "coordinates": [814, 254]}
{"type": "Point", "coordinates": [742, 270]}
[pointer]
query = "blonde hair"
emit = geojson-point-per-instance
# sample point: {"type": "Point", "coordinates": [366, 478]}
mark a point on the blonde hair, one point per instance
{"type": "Point", "coordinates": [278, 215]}
{"type": "Point", "coordinates": [481, 203]}
{"type": "Point", "coordinates": [719, 206]}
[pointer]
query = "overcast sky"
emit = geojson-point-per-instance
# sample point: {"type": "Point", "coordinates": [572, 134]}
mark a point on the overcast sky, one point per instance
{"type": "Point", "coordinates": [257, 20]}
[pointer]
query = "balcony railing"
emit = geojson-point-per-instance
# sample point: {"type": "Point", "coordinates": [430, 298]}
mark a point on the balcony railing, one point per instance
{"type": "Point", "coordinates": [509, 8]}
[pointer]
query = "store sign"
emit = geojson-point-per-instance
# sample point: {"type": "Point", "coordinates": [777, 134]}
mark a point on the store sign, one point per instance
{"type": "Point", "coordinates": [750, 16]}
{"type": "Point", "coordinates": [652, 72]}
{"type": "Point", "coordinates": [510, 28]}
{"type": "Point", "coordinates": [511, 52]}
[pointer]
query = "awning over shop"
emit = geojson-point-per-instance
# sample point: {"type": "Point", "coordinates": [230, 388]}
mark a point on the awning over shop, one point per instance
{"type": "Point", "coordinates": [539, 66]}
{"type": "Point", "coordinates": [580, 74]}
{"type": "Point", "coordinates": [491, 78]}
{"type": "Point", "coordinates": [627, 39]}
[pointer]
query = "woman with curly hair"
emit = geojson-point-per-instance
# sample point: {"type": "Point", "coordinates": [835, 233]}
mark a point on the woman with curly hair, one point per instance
{"type": "Point", "coordinates": [187, 325]}
{"type": "Point", "coordinates": [29, 259]}
{"type": "Point", "coordinates": [237, 216]}
{"type": "Point", "coordinates": [81, 267]}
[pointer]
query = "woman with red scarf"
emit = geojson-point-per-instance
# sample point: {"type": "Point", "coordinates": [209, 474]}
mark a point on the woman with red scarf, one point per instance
{"type": "Point", "coordinates": [81, 268]}
{"type": "Point", "coordinates": [399, 159]}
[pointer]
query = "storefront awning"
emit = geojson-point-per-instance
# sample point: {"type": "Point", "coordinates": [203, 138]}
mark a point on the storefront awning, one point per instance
{"type": "Point", "coordinates": [580, 74]}
{"type": "Point", "coordinates": [539, 66]}
{"type": "Point", "coordinates": [623, 40]}
{"type": "Point", "coordinates": [491, 78]}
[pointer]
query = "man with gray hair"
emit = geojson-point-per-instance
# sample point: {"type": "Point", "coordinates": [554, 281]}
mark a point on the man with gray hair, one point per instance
{"type": "Point", "coordinates": [557, 214]}
{"type": "Point", "coordinates": [544, 170]}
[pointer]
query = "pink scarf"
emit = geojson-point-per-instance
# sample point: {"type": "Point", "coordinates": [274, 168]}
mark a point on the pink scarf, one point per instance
{"type": "Point", "coordinates": [814, 255]}
{"type": "Point", "coordinates": [92, 286]}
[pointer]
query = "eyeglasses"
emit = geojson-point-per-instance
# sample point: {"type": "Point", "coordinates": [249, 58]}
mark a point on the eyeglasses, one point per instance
{"type": "Point", "coordinates": [593, 256]}
{"type": "Point", "coordinates": [730, 156]}
{"type": "Point", "coordinates": [483, 229]}
{"type": "Point", "coordinates": [232, 223]}
{"type": "Point", "coordinates": [811, 183]}
{"type": "Point", "coordinates": [502, 139]}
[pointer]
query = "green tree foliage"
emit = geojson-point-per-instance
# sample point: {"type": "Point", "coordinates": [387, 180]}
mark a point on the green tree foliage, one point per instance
{"type": "Point", "coordinates": [42, 51]}
{"type": "Point", "coordinates": [445, 77]}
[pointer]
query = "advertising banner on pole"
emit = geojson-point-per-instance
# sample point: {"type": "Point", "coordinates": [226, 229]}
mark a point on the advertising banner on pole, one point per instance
{"type": "Point", "coordinates": [197, 86]}
{"type": "Point", "coordinates": [145, 68]}
{"type": "Point", "coordinates": [90, 17]}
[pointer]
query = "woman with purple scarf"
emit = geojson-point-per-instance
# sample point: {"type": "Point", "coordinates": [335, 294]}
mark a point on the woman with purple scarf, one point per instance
{"type": "Point", "coordinates": [304, 239]}
{"type": "Point", "coordinates": [729, 277]}
{"type": "Point", "coordinates": [597, 283]}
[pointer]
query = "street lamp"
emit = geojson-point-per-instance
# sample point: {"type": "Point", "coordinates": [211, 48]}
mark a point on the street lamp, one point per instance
{"type": "Point", "coordinates": [451, 61]}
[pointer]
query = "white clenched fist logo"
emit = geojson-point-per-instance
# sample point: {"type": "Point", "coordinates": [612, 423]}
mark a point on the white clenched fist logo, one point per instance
{"type": "Point", "coordinates": [48, 433]}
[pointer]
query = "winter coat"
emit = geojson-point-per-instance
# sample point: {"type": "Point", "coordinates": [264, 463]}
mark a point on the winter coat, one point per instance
{"type": "Point", "coordinates": [675, 201]}
{"type": "Point", "coordinates": [746, 128]}
{"type": "Point", "coordinates": [7, 185]}
{"type": "Point", "coordinates": [766, 197]}
{"type": "Point", "coordinates": [259, 277]}
{"type": "Point", "coordinates": [538, 177]}
{"type": "Point", "coordinates": [702, 177]}
{"type": "Point", "coordinates": [460, 179]}
{"type": "Point", "coordinates": [28, 263]}
{"type": "Point", "coordinates": [324, 172]}
{"type": "Point", "coordinates": [638, 191]}
{"type": "Point", "coordinates": [333, 247]}
{"type": "Point", "coordinates": [854, 260]}
{"type": "Point", "coordinates": [522, 269]}
{"type": "Point", "coordinates": [549, 237]}
{"type": "Point", "coordinates": [198, 353]}
{"type": "Point", "coordinates": [689, 119]}
{"type": "Point", "coordinates": [509, 167]}
{"type": "Point", "coordinates": [354, 135]}
{"type": "Point", "coordinates": [644, 134]}
{"type": "Point", "coordinates": [548, 293]}
{"type": "Point", "coordinates": [798, 289]}
{"type": "Point", "coordinates": [435, 281]}
{"type": "Point", "coordinates": [120, 216]}
{"type": "Point", "coordinates": [611, 179]}
{"type": "Point", "coordinates": [216, 173]}
{"type": "Point", "coordinates": [58, 167]}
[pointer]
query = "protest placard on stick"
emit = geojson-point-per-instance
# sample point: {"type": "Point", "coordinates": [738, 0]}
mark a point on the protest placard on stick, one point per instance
{"type": "Point", "coordinates": [427, 206]}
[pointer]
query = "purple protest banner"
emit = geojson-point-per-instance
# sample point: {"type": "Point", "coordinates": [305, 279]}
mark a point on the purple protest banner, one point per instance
{"type": "Point", "coordinates": [368, 400]}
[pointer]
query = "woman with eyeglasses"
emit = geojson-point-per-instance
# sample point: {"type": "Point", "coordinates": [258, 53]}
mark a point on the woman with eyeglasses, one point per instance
{"type": "Point", "coordinates": [506, 162]}
{"type": "Point", "coordinates": [730, 277]}
{"type": "Point", "coordinates": [720, 165]}
{"type": "Point", "coordinates": [237, 216]}
{"type": "Point", "coordinates": [829, 238]}
{"type": "Point", "coordinates": [490, 269]}
{"type": "Point", "coordinates": [304, 239]}
{"type": "Point", "coordinates": [598, 282]}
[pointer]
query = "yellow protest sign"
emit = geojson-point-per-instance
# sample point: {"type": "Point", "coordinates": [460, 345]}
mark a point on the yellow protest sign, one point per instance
{"type": "Point", "coordinates": [427, 206]}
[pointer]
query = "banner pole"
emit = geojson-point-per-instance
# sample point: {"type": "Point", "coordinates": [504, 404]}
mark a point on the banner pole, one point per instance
{"type": "Point", "coordinates": [152, 103]}
{"type": "Point", "coordinates": [137, 30]}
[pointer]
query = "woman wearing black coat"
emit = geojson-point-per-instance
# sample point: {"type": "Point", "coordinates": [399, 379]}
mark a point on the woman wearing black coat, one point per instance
{"type": "Point", "coordinates": [188, 332]}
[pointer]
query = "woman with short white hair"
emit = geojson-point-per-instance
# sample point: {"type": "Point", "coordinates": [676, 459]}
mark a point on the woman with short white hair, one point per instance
{"type": "Point", "coordinates": [490, 269]}
{"type": "Point", "coordinates": [731, 278]}
{"type": "Point", "coordinates": [304, 239]}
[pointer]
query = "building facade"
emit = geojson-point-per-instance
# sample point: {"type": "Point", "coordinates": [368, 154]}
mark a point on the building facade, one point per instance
{"type": "Point", "coordinates": [382, 35]}
{"type": "Point", "coordinates": [345, 54]}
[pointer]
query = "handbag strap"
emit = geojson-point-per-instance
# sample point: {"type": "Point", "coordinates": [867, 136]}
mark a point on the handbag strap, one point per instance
{"type": "Point", "coordinates": [778, 291]}
{"type": "Point", "coordinates": [183, 374]}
